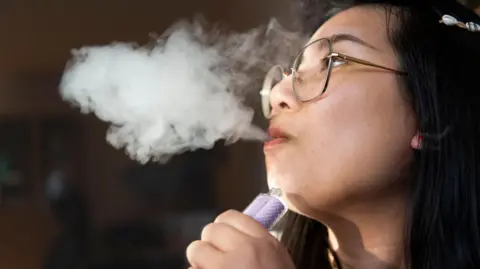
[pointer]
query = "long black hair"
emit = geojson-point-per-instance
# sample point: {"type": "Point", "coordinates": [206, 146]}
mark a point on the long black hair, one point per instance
{"type": "Point", "coordinates": [443, 87]}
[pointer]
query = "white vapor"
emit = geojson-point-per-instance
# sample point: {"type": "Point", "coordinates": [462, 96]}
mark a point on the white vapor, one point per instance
{"type": "Point", "coordinates": [184, 91]}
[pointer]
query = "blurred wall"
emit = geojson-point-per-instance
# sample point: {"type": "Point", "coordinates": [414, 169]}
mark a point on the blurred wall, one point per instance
{"type": "Point", "coordinates": [36, 39]}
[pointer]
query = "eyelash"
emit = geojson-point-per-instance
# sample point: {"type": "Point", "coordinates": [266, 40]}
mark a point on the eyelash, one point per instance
{"type": "Point", "coordinates": [336, 59]}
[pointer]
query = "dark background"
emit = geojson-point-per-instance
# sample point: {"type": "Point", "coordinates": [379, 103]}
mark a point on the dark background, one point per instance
{"type": "Point", "coordinates": [110, 212]}
{"type": "Point", "coordinates": [471, 3]}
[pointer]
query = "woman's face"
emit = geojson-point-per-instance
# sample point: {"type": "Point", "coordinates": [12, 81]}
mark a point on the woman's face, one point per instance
{"type": "Point", "coordinates": [353, 144]}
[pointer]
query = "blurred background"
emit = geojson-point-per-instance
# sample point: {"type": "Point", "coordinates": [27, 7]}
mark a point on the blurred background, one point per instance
{"type": "Point", "coordinates": [67, 199]}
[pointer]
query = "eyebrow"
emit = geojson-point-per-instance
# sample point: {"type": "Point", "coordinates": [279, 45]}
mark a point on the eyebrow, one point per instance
{"type": "Point", "coordinates": [348, 37]}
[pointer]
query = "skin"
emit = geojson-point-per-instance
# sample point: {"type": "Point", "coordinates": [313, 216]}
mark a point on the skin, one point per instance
{"type": "Point", "coordinates": [345, 163]}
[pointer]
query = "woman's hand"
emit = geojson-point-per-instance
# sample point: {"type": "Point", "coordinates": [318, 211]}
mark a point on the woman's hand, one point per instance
{"type": "Point", "coordinates": [236, 240]}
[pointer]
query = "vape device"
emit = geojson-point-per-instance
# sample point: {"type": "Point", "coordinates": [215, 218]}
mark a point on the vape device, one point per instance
{"type": "Point", "coordinates": [267, 208]}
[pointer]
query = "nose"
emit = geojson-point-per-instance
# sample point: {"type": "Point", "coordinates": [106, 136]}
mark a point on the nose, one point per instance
{"type": "Point", "coordinates": [282, 97]}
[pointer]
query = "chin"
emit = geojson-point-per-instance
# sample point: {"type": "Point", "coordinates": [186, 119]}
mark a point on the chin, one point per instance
{"type": "Point", "coordinates": [276, 179]}
{"type": "Point", "coordinates": [297, 204]}
{"type": "Point", "coordinates": [292, 196]}
{"type": "Point", "coordinates": [309, 201]}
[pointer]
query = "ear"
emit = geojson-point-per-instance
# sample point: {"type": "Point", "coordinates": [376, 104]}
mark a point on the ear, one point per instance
{"type": "Point", "coordinates": [417, 141]}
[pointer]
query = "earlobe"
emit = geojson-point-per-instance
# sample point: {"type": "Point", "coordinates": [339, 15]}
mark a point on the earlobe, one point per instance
{"type": "Point", "coordinates": [417, 141]}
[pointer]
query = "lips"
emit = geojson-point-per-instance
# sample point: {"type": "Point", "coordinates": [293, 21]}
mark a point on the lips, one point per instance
{"type": "Point", "coordinates": [277, 133]}
{"type": "Point", "coordinates": [277, 136]}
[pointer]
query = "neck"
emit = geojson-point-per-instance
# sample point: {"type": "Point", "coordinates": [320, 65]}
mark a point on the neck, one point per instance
{"type": "Point", "coordinates": [370, 236]}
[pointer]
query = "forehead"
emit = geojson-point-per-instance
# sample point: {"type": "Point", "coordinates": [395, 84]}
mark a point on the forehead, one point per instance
{"type": "Point", "coordinates": [368, 23]}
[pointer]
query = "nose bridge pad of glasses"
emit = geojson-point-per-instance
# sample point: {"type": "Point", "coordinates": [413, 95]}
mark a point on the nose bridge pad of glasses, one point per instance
{"type": "Point", "coordinates": [268, 84]}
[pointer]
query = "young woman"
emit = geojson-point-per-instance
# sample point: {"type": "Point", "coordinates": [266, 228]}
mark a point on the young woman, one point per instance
{"type": "Point", "coordinates": [376, 145]}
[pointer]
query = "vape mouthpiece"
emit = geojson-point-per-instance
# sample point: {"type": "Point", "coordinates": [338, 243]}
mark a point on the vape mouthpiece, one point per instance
{"type": "Point", "coordinates": [267, 208]}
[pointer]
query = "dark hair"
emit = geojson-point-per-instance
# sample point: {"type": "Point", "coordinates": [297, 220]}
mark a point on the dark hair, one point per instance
{"type": "Point", "coordinates": [442, 62]}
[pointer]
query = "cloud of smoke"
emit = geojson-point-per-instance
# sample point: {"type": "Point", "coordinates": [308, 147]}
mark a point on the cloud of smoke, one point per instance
{"type": "Point", "coordinates": [184, 91]}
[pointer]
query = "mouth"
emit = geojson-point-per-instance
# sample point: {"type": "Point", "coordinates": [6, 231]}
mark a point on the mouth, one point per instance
{"type": "Point", "coordinates": [277, 136]}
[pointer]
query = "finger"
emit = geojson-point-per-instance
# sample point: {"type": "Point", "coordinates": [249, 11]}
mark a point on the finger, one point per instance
{"type": "Point", "coordinates": [202, 255]}
{"type": "Point", "coordinates": [223, 236]}
{"type": "Point", "coordinates": [243, 223]}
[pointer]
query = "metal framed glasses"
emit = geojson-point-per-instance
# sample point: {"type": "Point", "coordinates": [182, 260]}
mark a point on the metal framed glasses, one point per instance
{"type": "Point", "coordinates": [310, 72]}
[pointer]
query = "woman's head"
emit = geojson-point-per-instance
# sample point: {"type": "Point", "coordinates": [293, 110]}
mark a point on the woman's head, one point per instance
{"type": "Point", "coordinates": [379, 136]}
{"type": "Point", "coordinates": [353, 142]}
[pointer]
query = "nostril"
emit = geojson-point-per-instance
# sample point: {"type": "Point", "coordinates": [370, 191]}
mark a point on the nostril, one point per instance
{"type": "Point", "coordinates": [284, 105]}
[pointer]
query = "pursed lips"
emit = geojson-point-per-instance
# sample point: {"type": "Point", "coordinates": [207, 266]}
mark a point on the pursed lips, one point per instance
{"type": "Point", "coordinates": [277, 136]}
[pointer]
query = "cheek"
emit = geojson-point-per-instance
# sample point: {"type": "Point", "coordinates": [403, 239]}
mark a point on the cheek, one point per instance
{"type": "Point", "coordinates": [356, 139]}
{"type": "Point", "coordinates": [356, 120]}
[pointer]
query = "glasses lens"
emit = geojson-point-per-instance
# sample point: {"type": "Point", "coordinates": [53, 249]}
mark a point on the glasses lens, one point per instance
{"type": "Point", "coordinates": [273, 77]}
{"type": "Point", "coordinates": [311, 70]}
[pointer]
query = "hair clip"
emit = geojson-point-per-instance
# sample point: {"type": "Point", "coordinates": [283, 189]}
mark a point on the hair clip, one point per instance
{"type": "Point", "coordinates": [450, 21]}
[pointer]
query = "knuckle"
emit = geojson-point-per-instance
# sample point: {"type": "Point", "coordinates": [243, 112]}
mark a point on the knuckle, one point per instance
{"type": "Point", "coordinates": [226, 215]}
{"type": "Point", "coordinates": [193, 250]}
{"type": "Point", "coordinates": [208, 231]}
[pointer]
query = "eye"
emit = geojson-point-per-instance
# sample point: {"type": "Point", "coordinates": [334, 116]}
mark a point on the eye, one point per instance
{"type": "Point", "coordinates": [336, 61]}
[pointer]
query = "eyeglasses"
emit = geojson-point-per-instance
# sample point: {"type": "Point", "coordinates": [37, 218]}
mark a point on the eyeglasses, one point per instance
{"type": "Point", "coordinates": [310, 77]}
